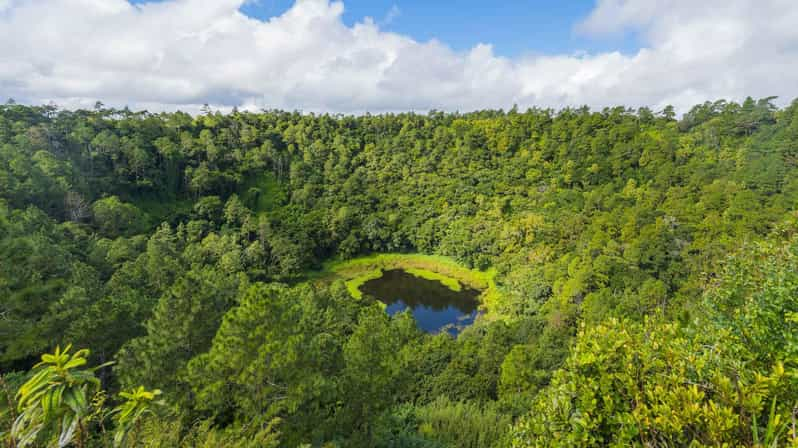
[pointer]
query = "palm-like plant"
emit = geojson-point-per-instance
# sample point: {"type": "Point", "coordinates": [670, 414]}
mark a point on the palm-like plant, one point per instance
{"type": "Point", "coordinates": [58, 396]}
{"type": "Point", "coordinates": [129, 414]}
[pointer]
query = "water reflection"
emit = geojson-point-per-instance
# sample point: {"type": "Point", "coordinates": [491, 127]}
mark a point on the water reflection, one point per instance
{"type": "Point", "coordinates": [434, 306]}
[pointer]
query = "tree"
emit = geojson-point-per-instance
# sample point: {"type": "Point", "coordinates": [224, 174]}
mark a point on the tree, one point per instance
{"type": "Point", "coordinates": [76, 207]}
{"type": "Point", "coordinates": [116, 218]}
{"type": "Point", "coordinates": [277, 355]}
{"type": "Point", "coordinates": [375, 367]}
{"type": "Point", "coordinates": [182, 326]}
{"type": "Point", "coordinates": [756, 298]}
{"type": "Point", "coordinates": [582, 216]}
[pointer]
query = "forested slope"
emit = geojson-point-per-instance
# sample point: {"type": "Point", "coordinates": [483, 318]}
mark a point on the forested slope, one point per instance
{"type": "Point", "coordinates": [646, 268]}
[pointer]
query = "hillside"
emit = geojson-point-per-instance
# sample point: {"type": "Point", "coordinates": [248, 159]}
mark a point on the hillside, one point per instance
{"type": "Point", "coordinates": [642, 274]}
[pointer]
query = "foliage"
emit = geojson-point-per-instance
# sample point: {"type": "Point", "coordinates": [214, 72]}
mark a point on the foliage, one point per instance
{"type": "Point", "coordinates": [756, 298]}
{"type": "Point", "coordinates": [729, 377]}
{"type": "Point", "coordinates": [449, 282]}
{"type": "Point", "coordinates": [128, 415]}
{"type": "Point", "coordinates": [444, 423]}
{"type": "Point", "coordinates": [639, 274]}
{"type": "Point", "coordinates": [56, 398]}
{"type": "Point", "coordinates": [115, 218]}
{"type": "Point", "coordinates": [640, 385]}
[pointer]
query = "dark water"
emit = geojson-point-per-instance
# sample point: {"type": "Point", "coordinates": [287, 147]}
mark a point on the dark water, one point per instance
{"type": "Point", "coordinates": [435, 307]}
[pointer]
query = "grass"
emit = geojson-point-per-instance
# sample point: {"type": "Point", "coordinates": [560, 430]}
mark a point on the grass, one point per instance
{"type": "Point", "coordinates": [353, 285]}
{"type": "Point", "coordinates": [451, 274]}
{"type": "Point", "coordinates": [454, 423]}
{"type": "Point", "coordinates": [449, 282]}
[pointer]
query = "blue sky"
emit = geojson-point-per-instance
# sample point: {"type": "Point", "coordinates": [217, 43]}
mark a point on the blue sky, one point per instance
{"type": "Point", "coordinates": [514, 27]}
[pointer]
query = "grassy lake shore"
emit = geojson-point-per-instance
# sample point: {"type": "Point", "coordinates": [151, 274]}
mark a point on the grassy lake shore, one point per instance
{"type": "Point", "coordinates": [357, 271]}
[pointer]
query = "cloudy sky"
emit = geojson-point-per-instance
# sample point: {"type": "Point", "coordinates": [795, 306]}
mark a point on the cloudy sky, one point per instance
{"type": "Point", "coordinates": [376, 55]}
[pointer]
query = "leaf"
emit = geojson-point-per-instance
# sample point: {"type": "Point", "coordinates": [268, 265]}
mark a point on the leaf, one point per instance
{"type": "Point", "coordinates": [68, 426]}
{"type": "Point", "coordinates": [71, 400]}
{"type": "Point", "coordinates": [34, 383]}
{"type": "Point", "coordinates": [75, 362]}
{"type": "Point", "coordinates": [45, 402]}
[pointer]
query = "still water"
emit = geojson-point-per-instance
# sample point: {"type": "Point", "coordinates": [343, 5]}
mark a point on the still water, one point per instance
{"type": "Point", "coordinates": [434, 306]}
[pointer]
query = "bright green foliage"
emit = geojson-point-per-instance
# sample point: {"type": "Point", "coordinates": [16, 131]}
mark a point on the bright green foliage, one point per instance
{"type": "Point", "coordinates": [56, 400]}
{"type": "Point", "coordinates": [359, 270]}
{"type": "Point", "coordinates": [728, 378]}
{"type": "Point", "coordinates": [449, 282]}
{"type": "Point", "coordinates": [128, 416]}
{"type": "Point", "coordinates": [59, 402]}
{"type": "Point", "coordinates": [353, 285]}
{"type": "Point", "coordinates": [756, 298]}
{"type": "Point", "coordinates": [628, 384]}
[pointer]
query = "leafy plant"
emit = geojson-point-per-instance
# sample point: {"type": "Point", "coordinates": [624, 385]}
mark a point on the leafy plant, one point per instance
{"type": "Point", "coordinates": [128, 415]}
{"type": "Point", "coordinates": [56, 397]}
{"type": "Point", "coordinates": [774, 430]}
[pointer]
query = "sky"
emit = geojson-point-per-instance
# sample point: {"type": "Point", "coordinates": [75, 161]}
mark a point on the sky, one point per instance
{"type": "Point", "coordinates": [514, 27]}
{"type": "Point", "coordinates": [357, 56]}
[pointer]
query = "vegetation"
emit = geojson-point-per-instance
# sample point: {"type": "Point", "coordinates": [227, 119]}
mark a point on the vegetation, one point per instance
{"type": "Point", "coordinates": [359, 270]}
{"type": "Point", "coordinates": [59, 401]}
{"type": "Point", "coordinates": [640, 276]}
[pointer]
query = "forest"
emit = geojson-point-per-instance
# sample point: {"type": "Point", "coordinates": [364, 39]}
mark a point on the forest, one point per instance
{"type": "Point", "coordinates": [176, 280]}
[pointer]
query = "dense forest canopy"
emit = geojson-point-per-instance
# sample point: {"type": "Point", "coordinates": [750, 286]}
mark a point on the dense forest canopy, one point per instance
{"type": "Point", "coordinates": [646, 269]}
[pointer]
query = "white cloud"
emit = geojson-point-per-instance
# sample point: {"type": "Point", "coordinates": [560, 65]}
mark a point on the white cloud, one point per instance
{"type": "Point", "coordinates": [391, 15]}
{"type": "Point", "coordinates": [181, 53]}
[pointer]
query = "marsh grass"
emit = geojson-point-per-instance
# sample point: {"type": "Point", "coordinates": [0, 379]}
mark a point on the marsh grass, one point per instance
{"type": "Point", "coordinates": [357, 271]}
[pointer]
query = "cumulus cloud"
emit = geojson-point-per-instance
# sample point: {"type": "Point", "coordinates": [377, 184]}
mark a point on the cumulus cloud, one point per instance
{"type": "Point", "coordinates": [183, 53]}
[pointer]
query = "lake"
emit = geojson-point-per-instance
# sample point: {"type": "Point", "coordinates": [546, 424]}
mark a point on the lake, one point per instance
{"type": "Point", "coordinates": [435, 307]}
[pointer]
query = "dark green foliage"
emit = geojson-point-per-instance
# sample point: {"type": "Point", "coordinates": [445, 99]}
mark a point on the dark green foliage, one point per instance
{"type": "Point", "coordinates": [115, 218]}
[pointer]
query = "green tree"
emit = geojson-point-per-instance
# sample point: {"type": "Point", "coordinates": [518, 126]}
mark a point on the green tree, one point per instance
{"type": "Point", "coordinates": [115, 218]}
{"type": "Point", "coordinates": [182, 326]}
